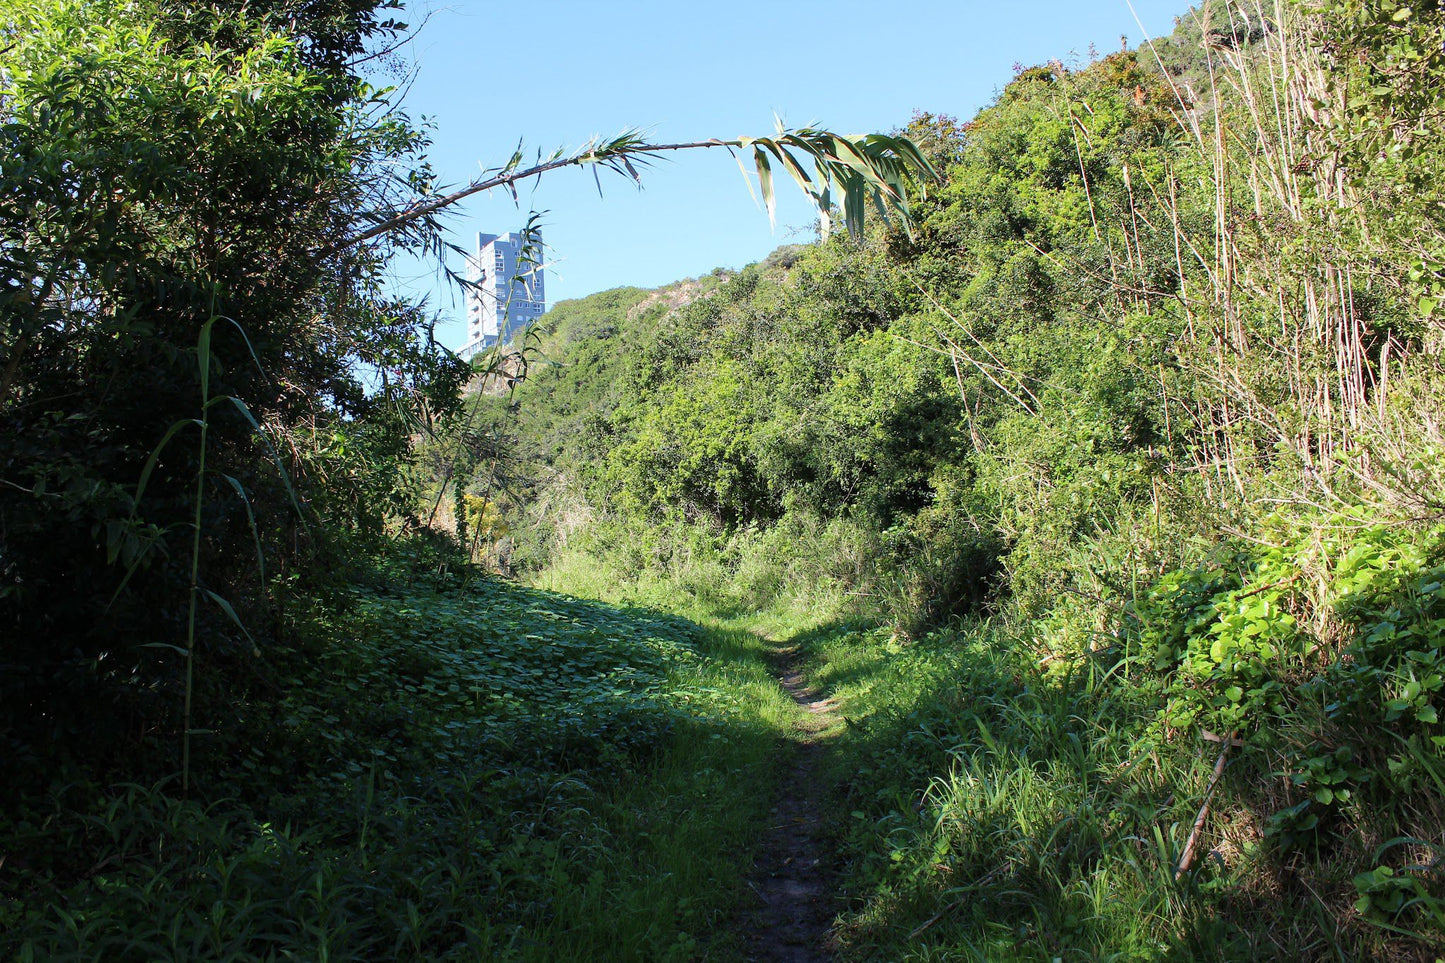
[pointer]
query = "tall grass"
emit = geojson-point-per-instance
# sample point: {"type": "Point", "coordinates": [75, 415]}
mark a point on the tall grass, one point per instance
{"type": "Point", "coordinates": [992, 807]}
{"type": "Point", "coordinates": [1292, 338]}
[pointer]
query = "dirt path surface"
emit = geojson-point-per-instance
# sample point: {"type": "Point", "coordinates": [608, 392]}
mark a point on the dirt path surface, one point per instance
{"type": "Point", "coordinates": [791, 877]}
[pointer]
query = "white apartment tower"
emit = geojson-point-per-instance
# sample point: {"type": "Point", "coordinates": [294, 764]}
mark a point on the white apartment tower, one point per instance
{"type": "Point", "coordinates": [506, 293]}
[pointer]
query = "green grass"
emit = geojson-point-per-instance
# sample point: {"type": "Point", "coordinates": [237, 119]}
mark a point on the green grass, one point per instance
{"type": "Point", "coordinates": [985, 806]}
{"type": "Point", "coordinates": [991, 807]}
{"type": "Point", "coordinates": [999, 795]}
{"type": "Point", "coordinates": [477, 770]}
{"type": "Point", "coordinates": [973, 792]}
{"type": "Point", "coordinates": [446, 770]}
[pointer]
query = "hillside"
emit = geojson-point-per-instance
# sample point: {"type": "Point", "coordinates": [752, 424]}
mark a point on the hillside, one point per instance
{"type": "Point", "coordinates": [1050, 567]}
{"type": "Point", "coordinates": [1121, 450]}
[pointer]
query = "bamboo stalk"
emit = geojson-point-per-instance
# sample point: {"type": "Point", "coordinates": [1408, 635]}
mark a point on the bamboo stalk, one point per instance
{"type": "Point", "coordinates": [1186, 861]}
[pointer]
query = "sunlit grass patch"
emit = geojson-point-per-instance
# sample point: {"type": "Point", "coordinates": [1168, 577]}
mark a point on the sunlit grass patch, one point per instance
{"type": "Point", "coordinates": [998, 803]}
{"type": "Point", "coordinates": [991, 810]}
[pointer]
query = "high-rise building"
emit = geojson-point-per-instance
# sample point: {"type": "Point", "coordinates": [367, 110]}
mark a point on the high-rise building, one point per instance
{"type": "Point", "coordinates": [505, 293]}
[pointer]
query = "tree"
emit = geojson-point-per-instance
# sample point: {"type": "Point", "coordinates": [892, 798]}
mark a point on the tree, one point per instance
{"type": "Point", "coordinates": [168, 166]}
{"type": "Point", "coordinates": [204, 388]}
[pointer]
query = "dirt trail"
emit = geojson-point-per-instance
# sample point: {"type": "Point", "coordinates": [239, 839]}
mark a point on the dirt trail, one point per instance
{"type": "Point", "coordinates": [791, 877]}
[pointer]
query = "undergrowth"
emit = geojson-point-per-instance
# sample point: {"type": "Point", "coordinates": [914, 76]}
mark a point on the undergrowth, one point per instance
{"type": "Point", "coordinates": [443, 767]}
{"type": "Point", "coordinates": [1250, 769]}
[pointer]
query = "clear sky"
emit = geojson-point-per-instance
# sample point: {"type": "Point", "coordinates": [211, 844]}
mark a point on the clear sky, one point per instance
{"type": "Point", "coordinates": [552, 73]}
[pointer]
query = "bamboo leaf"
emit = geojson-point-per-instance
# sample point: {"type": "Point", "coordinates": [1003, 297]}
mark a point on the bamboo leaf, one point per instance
{"type": "Point", "coordinates": [225, 606]}
{"type": "Point", "coordinates": [145, 472]}
{"type": "Point", "coordinates": [794, 168]}
{"type": "Point", "coordinates": [203, 356]}
{"type": "Point", "coordinates": [765, 185]}
{"type": "Point", "coordinates": [164, 645]}
{"type": "Point", "coordinates": [743, 170]}
{"type": "Point", "coordinates": [251, 518]}
{"type": "Point", "coordinates": [848, 154]}
{"type": "Point", "coordinates": [249, 346]}
{"type": "Point", "coordinates": [853, 200]}
{"type": "Point", "coordinates": [240, 406]}
{"type": "Point", "coordinates": [885, 163]}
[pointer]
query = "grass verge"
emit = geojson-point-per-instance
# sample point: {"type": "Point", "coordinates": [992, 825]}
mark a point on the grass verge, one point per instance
{"type": "Point", "coordinates": [996, 806]}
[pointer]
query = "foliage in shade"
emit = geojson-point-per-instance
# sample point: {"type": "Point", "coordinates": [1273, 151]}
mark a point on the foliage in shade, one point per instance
{"type": "Point", "coordinates": [166, 166]}
{"type": "Point", "coordinates": [448, 768]}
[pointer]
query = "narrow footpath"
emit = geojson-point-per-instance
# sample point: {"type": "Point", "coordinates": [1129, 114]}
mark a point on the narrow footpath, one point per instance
{"type": "Point", "coordinates": [792, 919]}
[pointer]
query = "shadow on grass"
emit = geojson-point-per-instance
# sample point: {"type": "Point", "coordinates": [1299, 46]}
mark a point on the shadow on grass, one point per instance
{"type": "Point", "coordinates": [496, 771]}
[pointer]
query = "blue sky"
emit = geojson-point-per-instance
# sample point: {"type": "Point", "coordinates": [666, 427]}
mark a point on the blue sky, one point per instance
{"type": "Point", "coordinates": [552, 73]}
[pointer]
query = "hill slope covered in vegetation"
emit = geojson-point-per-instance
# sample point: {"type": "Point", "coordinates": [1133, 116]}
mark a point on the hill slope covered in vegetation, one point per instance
{"type": "Point", "coordinates": [1133, 449]}
{"type": "Point", "coordinates": [1100, 505]}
